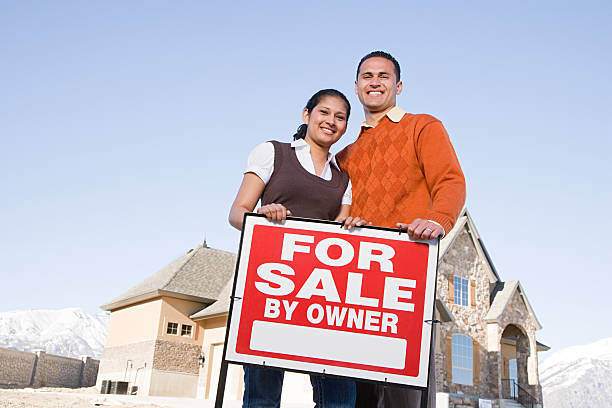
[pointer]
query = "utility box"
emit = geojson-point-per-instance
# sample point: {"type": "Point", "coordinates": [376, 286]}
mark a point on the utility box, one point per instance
{"type": "Point", "coordinates": [118, 387]}
{"type": "Point", "coordinates": [105, 387]}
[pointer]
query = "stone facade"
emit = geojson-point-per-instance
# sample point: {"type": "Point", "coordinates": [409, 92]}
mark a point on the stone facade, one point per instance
{"type": "Point", "coordinates": [464, 258]}
{"type": "Point", "coordinates": [176, 356]}
{"type": "Point", "coordinates": [21, 369]}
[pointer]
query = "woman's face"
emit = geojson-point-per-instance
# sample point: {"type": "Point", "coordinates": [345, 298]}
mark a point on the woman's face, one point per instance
{"type": "Point", "coordinates": [326, 122]}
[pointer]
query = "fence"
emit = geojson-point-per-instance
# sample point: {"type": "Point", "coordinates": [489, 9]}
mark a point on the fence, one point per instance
{"type": "Point", "coordinates": [39, 369]}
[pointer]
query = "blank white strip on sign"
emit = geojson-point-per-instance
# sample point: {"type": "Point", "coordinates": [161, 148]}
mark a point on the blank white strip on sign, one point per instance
{"type": "Point", "coordinates": [328, 344]}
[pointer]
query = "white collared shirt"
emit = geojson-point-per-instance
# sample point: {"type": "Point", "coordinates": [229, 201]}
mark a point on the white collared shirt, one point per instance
{"type": "Point", "coordinates": [261, 162]}
{"type": "Point", "coordinates": [395, 114]}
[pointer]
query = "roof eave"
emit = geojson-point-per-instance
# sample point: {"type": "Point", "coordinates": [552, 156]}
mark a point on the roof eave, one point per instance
{"type": "Point", "coordinates": [110, 307]}
{"type": "Point", "coordinates": [208, 317]}
{"type": "Point", "coordinates": [524, 295]}
{"type": "Point", "coordinates": [445, 314]}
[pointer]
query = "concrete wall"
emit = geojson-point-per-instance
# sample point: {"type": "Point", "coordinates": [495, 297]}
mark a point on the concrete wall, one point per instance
{"type": "Point", "coordinates": [21, 369]}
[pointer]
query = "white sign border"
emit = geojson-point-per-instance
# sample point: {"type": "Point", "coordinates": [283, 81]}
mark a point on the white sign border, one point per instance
{"type": "Point", "coordinates": [230, 354]}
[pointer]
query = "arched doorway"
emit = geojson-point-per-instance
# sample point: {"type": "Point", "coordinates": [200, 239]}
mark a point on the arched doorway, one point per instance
{"type": "Point", "coordinates": [514, 352]}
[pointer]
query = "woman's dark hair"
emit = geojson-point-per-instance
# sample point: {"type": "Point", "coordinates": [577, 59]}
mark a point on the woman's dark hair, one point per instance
{"type": "Point", "coordinates": [314, 101]}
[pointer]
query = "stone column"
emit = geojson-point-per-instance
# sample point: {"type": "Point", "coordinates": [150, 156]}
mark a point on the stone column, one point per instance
{"type": "Point", "coordinates": [494, 359]}
{"type": "Point", "coordinates": [39, 377]}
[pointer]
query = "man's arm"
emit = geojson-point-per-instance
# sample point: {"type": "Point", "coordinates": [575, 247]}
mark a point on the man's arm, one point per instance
{"type": "Point", "coordinates": [445, 182]}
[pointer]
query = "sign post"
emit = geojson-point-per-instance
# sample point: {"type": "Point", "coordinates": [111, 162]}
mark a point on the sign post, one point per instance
{"type": "Point", "coordinates": [310, 296]}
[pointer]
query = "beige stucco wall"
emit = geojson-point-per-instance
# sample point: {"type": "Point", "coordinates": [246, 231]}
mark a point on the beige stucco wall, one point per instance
{"type": "Point", "coordinates": [134, 324]}
{"type": "Point", "coordinates": [178, 311]}
{"type": "Point", "coordinates": [173, 384]}
{"type": "Point", "coordinates": [128, 362]}
{"type": "Point", "coordinates": [213, 331]}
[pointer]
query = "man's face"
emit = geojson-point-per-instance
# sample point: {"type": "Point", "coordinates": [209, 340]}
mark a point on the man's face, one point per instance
{"type": "Point", "coordinates": [376, 85]}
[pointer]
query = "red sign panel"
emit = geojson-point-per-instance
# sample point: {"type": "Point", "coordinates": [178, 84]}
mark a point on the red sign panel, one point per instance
{"type": "Point", "coordinates": [311, 296]}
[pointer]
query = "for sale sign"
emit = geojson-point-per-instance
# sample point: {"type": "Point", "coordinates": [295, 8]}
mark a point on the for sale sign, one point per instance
{"type": "Point", "coordinates": [311, 296]}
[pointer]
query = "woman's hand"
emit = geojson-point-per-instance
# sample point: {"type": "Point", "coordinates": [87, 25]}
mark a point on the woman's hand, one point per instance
{"type": "Point", "coordinates": [274, 212]}
{"type": "Point", "coordinates": [352, 222]}
{"type": "Point", "coordinates": [348, 221]}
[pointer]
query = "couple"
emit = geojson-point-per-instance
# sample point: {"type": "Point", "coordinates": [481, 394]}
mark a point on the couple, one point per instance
{"type": "Point", "coordinates": [404, 174]}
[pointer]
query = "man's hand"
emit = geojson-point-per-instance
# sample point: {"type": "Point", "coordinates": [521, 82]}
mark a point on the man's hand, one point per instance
{"type": "Point", "coordinates": [274, 212]}
{"type": "Point", "coordinates": [422, 230]}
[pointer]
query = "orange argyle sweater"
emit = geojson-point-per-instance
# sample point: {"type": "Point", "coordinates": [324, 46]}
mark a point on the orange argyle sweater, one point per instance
{"type": "Point", "coordinates": [404, 170]}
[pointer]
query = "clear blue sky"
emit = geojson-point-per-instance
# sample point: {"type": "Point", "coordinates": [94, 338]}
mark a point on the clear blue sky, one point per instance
{"type": "Point", "coordinates": [125, 127]}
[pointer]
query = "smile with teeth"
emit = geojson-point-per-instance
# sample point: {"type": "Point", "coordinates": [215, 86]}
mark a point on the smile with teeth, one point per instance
{"type": "Point", "coordinates": [328, 131]}
{"type": "Point", "coordinates": [375, 93]}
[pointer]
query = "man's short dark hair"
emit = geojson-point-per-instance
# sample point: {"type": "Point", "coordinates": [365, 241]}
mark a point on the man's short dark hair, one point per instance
{"type": "Point", "coordinates": [381, 54]}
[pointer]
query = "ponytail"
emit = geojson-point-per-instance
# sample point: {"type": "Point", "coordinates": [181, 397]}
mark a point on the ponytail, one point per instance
{"type": "Point", "coordinates": [300, 132]}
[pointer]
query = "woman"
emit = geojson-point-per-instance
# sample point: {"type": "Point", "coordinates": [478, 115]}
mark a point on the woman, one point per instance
{"type": "Point", "coordinates": [300, 179]}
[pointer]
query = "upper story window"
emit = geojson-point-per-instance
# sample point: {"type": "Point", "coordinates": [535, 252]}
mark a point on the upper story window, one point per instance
{"type": "Point", "coordinates": [172, 328]}
{"type": "Point", "coordinates": [461, 291]}
{"type": "Point", "coordinates": [186, 330]}
{"type": "Point", "coordinates": [463, 359]}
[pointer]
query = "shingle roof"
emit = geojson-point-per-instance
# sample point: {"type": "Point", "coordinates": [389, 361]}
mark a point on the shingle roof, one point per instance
{"type": "Point", "coordinates": [220, 307]}
{"type": "Point", "coordinates": [198, 275]}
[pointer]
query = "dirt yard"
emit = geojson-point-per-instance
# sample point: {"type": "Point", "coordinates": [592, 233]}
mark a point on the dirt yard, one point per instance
{"type": "Point", "coordinates": [90, 398]}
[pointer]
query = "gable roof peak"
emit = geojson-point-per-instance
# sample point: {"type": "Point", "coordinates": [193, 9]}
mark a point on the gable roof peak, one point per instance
{"type": "Point", "coordinates": [502, 297]}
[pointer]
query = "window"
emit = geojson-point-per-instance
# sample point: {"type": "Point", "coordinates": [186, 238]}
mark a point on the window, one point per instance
{"type": "Point", "coordinates": [463, 360]}
{"type": "Point", "coordinates": [186, 330]}
{"type": "Point", "coordinates": [172, 328]}
{"type": "Point", "coordinates": [461, 291]}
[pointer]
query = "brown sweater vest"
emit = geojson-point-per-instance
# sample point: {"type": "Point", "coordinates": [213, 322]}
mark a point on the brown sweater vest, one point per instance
{"type": "Point", "coordinates": [305, 195]}
{"type": "Point", "coordinates": [405, 170]}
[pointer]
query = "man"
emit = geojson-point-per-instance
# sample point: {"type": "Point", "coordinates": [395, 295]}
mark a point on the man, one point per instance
{"type": "Point", "coordinates": [405, 174]}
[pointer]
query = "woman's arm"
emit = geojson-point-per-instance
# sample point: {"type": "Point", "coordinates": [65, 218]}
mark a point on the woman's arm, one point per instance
{"type": "Point", "coordinates": [250, 190]}
{"type": "Point", "coordinates": [349, 222]}
{"type": "Point", "coordinates": [345, 211]}
{"type": "Point", "coordinates": [249, 193]}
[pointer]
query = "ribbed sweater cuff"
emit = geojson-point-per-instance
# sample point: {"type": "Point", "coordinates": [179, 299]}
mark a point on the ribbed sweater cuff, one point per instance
{"type": "Point", "coordinates": [441, 219]}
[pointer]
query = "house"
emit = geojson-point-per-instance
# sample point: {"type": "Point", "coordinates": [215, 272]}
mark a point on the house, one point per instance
{"type": "Point", "coordinates": [152, 341]}
{"type": "Point", "coordinates": [166, 334]}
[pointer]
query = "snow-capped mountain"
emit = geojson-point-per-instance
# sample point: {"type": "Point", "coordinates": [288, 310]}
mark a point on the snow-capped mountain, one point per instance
{"type": "Point", "coordinates": [67, 332]}
{"type": "Point", "coordinates": [578, 377]}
